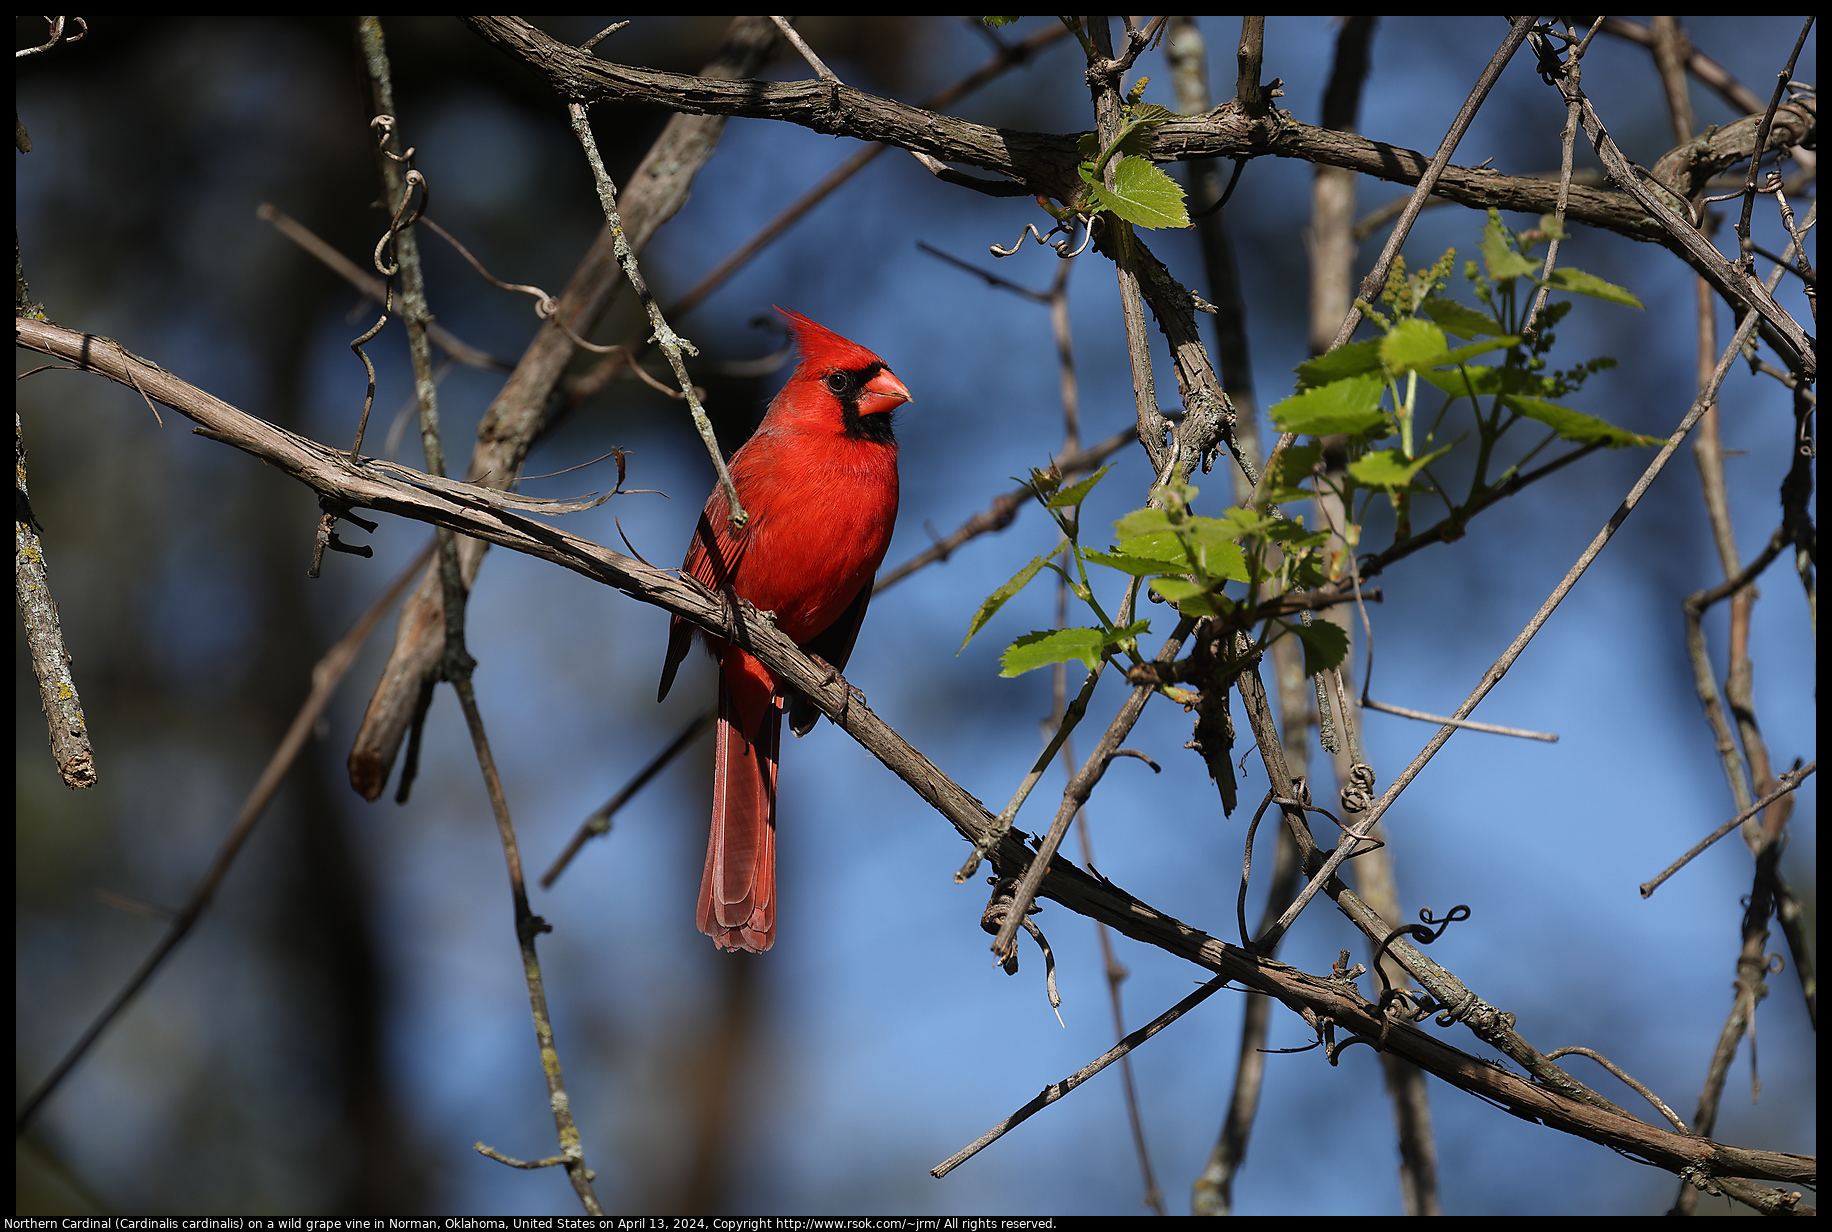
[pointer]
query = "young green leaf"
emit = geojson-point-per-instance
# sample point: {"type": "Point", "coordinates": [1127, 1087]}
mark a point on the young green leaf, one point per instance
{"type": "Point", "coordinates": [1457, 319]}
{"type": "Point", "coordinates": [1191, 598]}
{"type": "Point", "coordinates": [1285, 481]}
{"type": "Point", "coordinates": [1500, 256]}
{"type": "Point", "coordinates": [1073, 495]}
{"type": "Point", "coordinates": [1042, 649]}
{"type": "Point", "coordinates": [1457, 355]}
{"type": "Point", "coordinates": [1135, 564]}
{"type": "Point", "coordinates": [1142, 194]}
{"type": "Point", "coordinates": [1390, 470]}
{"type": "Point", "coordinates": [1043, 483]}
{"type": "Point", "coordinates": [997, 598]}
{"type": "Point", "coordinates": [1552, 228]}
{"type": "Point", "coordinates": [1325, 646]}
{"type": "Point", "coordinates": [1579, 283]}
{"type": "Point", "coordinates": [1352, 360]}
{"type": "Point", "coordinates": [1477, 380]}
{"type": "Point", "coordinates": [1574, 425]}
{"type": "Point", "coordinates": [1413, 343]}
{"type": "Point", "coordinates": [1418, 346]}
{"type": "Point", "coordinates": [1350, 406]}
{"type": "Point", "coordinates": [1211, 542]}
{"type": "Point", "coordinates": [1153, 114]}
{"type": "Point", "coordinates": [1142, 522]}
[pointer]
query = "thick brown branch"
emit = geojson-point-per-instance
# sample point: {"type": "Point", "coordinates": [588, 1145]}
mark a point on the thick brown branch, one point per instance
{"type": "Point", "coordinates": [1046, 162]}
{"type": "Point", "coordinates": [1043, 162]}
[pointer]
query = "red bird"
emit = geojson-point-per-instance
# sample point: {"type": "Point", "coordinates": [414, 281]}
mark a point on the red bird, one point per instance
{"type": "Point", "coordinates": [819, 481]}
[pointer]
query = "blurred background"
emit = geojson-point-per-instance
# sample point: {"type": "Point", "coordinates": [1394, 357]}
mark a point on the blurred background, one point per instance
{"type": "Point", "coordinates": [350, 1016]}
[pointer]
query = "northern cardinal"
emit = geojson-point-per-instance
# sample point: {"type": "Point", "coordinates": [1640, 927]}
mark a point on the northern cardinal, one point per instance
{"type": "Point", "coordinates": [819, 481]}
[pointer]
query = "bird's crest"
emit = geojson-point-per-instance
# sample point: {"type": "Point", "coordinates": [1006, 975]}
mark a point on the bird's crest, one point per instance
{"type": "Point", "coordinates": [822, 349]}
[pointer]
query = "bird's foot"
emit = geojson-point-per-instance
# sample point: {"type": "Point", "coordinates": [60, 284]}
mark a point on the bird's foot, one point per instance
{"type": "Point", "coordinates": [833, 676]}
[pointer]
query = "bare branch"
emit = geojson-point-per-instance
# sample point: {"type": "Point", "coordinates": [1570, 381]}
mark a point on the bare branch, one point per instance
{"type": "Point", "coordinates": [69, 731]}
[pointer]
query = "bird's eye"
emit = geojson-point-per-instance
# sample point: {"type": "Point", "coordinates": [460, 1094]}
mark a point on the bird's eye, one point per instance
{"type": "Point", "coordinates": [837, 382]}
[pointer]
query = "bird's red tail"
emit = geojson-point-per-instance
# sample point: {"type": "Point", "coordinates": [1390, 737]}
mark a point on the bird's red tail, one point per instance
{"type": "Point", "coordinates": [738, 888]}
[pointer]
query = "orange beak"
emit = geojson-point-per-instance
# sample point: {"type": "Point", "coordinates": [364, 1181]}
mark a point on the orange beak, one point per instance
{"type": "Point", "coordinates": [882, 393]}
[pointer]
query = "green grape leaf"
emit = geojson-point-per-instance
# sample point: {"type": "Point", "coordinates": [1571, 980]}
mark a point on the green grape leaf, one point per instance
{"type": "Point", "coordinates": [1041, 649]}
{"type": "Point", "coordinates": [997, 598]}
{"type": "Point", "coordinates": [1212, 543]}
{"type": "Point", "coordinates": [1153, 114]}
{"type": "Point", "coordinates": [1352, 360]}
{"type": "Point", "coordinates": [1351, 406]}
{"type": "Point", "coordinates": [1285, 481]}
{"type": "Point", "coordinates": [1502, 260]}
{"type": "Point", "coordinates": [1325, 646]}
{"type": "Point", "coordinates": [1134, 564]}
{"type": "Point", "coordinates": [1457, 319]}
{"type": "Point", "coordinates": [1575, 425]}
{"type": "Point", "coordinates": [1476, 380]}
{"type": "Point", "coordinates": [1142, 194]}
{"type": "Point", "coordinates": [1141, 522]}
{"type": "Point", "coordinates": [1458, 354]}
{"type": "Point", "coordinates": [1579, 283]}
{"type": "Point", "coordinates": [1390, 470]}
{"type": "Point", "coordinates": [1073, 495]}
{"type": "Point", "coordinates": [1413, 343]}
{"type": "Point", "coordinates": [1191, 598]}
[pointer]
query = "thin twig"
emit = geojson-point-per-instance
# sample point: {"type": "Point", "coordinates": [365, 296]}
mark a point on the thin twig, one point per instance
{"type": "Point", "coordinates": [1080, 787]}
{"type": "Point", "coordinates": [1783, 79]}
{"type": "Point", "coordinates": [456, 664]}
{"type": "Point", "coordinates": [1789, 781]}
{"type": "Point", "coordinates": [1065, 724]}
{"type": "Point", "coordinates": [1736, 283]}
{"type": "Point", "coordinates": [1017, 53]}
{"type": "Point", "coordinates": [1104, 82]}
{"type": "Point", "coordinates": [55, 36]}
{"type": "Point", "coordinates": [806, 52]}
{"type": "Point", "coordinates": [1056, 1090]}
{"type": "Point", "coordinates": [1618, 1071]}
{"type": "Point", "coordinates": [1005, 507]}
{"type": "Point", "coordinates": [1369, 703]}
{"type": "Point", "coordinates": [371, 286]}
{"type": "Point", "coordinates": [1377, 277]}
{"type": "Point", "coordinates": [600, 821]}
{"type": "Point", "coordinates": [672, 344]}
{"type": "Point", "coordinates": [1567, 148]}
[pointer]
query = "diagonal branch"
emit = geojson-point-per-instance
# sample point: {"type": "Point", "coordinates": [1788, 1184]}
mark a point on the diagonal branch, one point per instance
{"type": "Point", "coordinates": [486, 515]}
